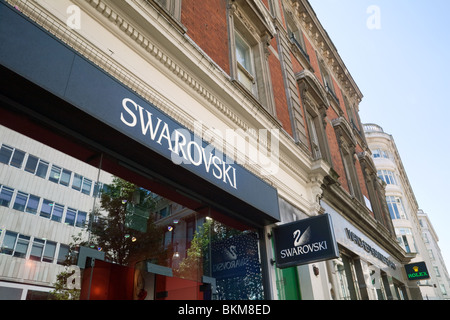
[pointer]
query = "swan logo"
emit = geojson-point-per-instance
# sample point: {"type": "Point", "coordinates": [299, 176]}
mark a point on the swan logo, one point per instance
{"type": "Point", "coordinates": [305, 241]}
{"type": "Point", "coordinates": [230, 260]}
{"type": "Point", "coordinates": [230, 253]}
{"type": "Point", "coordinates": [302, 245]}
{"type": "Point", "coordinates": [235, 256]}
{"type": "Point", "coordinates": [301, 238]}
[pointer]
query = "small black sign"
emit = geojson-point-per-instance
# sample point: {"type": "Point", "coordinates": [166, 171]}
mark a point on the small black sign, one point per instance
{"type": "Point", "coordinates": [305, 241]}
{"type": "Point", "coordinates": [417, 271]}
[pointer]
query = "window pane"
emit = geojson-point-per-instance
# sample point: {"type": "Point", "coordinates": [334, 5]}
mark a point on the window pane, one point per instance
{"type": "Point", "coordinates": [42, 169]}
{"type": "Point", "coordinates": [49, 252]}
{"type": "Point", "coordinates": [57, 212]}
{"type": "Point", "coordinates": [37, 249]}
{"type": "Point", "coordinates": [21, 246]}
{"type": "Point", "coordinates": [63, 253]}
{"type": "Point", "coordinates": [243, 53]}
{"type": "Point", "coordinates": [21, 201]}
{"type": "Point", "coordinates": [17, 159]}
{"type": "Point", "coordinates": [97, 189]}
{"type": "Point", "coordinates": [87, 185]}
{"type": "Point", "coordinates": [77, 179]}
{"type": "Point", "coordinates": [55, 174]}
{"type": "Point", "coordinates": [31, 164]}
{"type": "Point", "coordinates": [9, 242]}
{"type": "Point", "coordinates": [81, 219]}
{"type": "Point", "coordinates": [46, 209]}
{"type": "Point", "coordinates": [33, 203]}
{"type": "Point", "coordinates": [65, 177]}
{"type": "Point", "coordinates": [5, 154]}
{"type": "Point", "coordinates": [70, 216]}
{"type": "Point", "coordinates": [5, 196]}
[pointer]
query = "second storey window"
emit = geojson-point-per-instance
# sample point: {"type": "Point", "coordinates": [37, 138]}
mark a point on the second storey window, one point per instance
{"type": "Point", "coordinates": [250, 32]}
{"type": "Point", "coordinates": [245, 65]}
{"type": "Point", "coordinates": [172, 7]}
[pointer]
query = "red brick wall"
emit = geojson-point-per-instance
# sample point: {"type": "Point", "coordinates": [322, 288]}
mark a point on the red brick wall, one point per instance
{"type": "Point", "coordinates": [338, 93]}
{"type": "Point", "coordinates": [206, 23]}
{"type": "Point", "coordinates": [279, 93]}
{"type": "Point", "coordinates": [313, 59]}
{"type": "Point", "coordinates": [297, 67]}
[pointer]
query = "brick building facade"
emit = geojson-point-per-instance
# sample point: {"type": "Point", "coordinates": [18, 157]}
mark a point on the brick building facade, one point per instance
{"type": "Point", "coordinates": [212, 66]}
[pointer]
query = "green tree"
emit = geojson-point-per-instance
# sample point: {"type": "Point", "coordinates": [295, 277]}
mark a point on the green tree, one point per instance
{"type": "Point", "coordinates": [61, 288]}
{"type": "Point", "coordinates": [197, 255]}
{"type": "Point", "coordinates": [61, 291]}
{"type": "Point", "coordinates": [124, 225]}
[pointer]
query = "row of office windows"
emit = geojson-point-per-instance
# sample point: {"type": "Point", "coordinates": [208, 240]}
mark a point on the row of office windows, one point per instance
{"type": "Point", "coordinates": [43, 169]}
{"type": "Point", "coordinates": [33, 248]}
{"type": "Point", "coordinates": [32, 204]}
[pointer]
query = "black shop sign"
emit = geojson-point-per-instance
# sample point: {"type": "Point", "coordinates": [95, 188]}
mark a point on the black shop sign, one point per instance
{"type": "Point", "coordinates": [305, 241]}
{"type": "Point", "coordinates": [417, 271]}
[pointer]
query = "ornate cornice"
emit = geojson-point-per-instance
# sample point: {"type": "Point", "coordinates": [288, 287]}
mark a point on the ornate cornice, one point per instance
{"type": "Point", "coordinates": [324, 45]}
{"type": "Point", "coordinates": [292, 158]}
{"type": "Point", "coordinates": [308, 82]}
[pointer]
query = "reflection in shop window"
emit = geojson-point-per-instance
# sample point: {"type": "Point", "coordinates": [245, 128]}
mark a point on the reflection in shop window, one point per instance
{"type": "Point", "coordinates": [21, 201]}
{"type": "Point", "coordinates": [37, 249]}
{"type": "Point", "coordinates": [36, 166]}
{"type": "Point", "coordinates": [46, 208]}
{"type": "Point", "coordinates": [17, 159]}
{"type": "Point", "coordinates": [49, 251]}
{"type": "Point", "coordinates": [203, 258]}
{"type": "Point", "coordinates": [5, 196]}
{"type": "Point", "coordinates": [5, 154]}
{"type": "Point", "coordinates": [21, 246]}
{"type": "Point", "coordinates": [57, 212]}
{"type": "Point", "coordinates": [31, 164]}
{"type": "Point", "coordinates": [70, 216]}
{"type": "Point", "coordinates": [9, 242]}
{"type": "Point", "coordinates": [55, 174]}
{"type": "Point", "coordinates": [65, 177]}
{"type": "Point", "coordinates": [63, 254]}
{"type": "Point", "coordinates": [42, 169]}
{"type": "Point", "coordinates": [32, 204]}
{"type": "Point", "coordinates": [87, 185]}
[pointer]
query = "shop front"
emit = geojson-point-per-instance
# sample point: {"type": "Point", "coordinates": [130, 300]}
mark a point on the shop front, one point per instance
{"type": "Point", "coordinates": [364, 270]}
{"type": "Point", "coordinates": [176, 219]}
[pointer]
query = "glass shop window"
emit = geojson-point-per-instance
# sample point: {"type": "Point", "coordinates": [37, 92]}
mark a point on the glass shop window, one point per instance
{"type": "Point", "coordinates": [181, 254]}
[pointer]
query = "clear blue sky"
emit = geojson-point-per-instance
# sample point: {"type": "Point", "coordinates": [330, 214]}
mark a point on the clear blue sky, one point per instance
{"type": "Point", "coordinates": [403, 71]}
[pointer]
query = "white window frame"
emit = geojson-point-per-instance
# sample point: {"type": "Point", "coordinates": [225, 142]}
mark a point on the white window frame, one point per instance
{"type": "Point", "coordinates": [245, 72]}
{"type": "Point", "coordinates": [245, 22]}
{"type": "Point", "coordinates": [398, 203]}
{"type": "Point", "coordinates": [387, 176]}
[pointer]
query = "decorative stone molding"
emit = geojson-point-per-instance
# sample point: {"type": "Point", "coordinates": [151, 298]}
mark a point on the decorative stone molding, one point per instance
{"type": "Point", "coordinates": [315, 31]}
{"type": "Point", "coordinates": [59, 29]}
